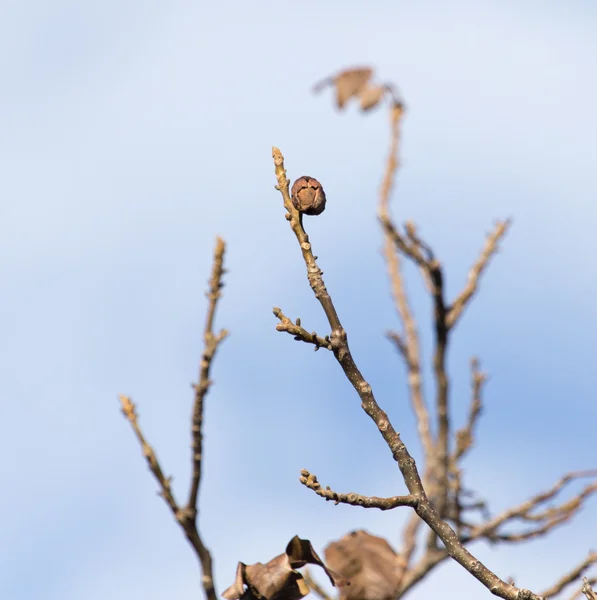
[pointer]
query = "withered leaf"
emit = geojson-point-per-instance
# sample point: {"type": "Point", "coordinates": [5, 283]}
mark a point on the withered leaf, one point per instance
{"type": "Point", "coordinates": [300, 552]}
{"type": "Point", "coordinates": [369, 562]}
{"type": "Point", "coordinates": [350, 83]}
{"type": "Point", "coordinates": [356, 83]}
{"type": "Point", "coordinates": [278, 579]}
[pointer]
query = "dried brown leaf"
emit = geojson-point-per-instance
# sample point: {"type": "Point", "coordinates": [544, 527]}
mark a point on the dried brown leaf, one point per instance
{"type": "Point", "coordinates": [278, 579]}
{"type": "Point", "coordinates": [351, 82]}
{"type": "Point", "coordinates": [369, 562]}
{"type": "Point", "coordinates": [300, 552]}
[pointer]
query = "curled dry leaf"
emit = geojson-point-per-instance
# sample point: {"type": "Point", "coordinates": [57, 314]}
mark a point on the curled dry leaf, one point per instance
{"type": "Point", "coordinates": [369, 562]}
{"type": "Point", "coordinates": [278, 579]}
{"type": "Point", "coordinates": [356, 83]}
{"type": "Point", "coordinates": [308, 196]}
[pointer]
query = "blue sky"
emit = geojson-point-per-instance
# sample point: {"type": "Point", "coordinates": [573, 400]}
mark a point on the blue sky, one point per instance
{"type": "Point", "coordinates": [133, 133]}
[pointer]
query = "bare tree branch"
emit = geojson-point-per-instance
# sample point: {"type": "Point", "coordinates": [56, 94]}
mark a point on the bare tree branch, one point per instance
{"type": "Point", "coordinates": [587, 590]}
{"type": "Point", "coordinates": [187, 516]}
{"type": "Point", "coordinates": [579, 591]}
{"type": "Point", "coordinates": [300, 334]}
{"type": "Point", "coordinates": [309, 480]}
{"type": "Point", "coordinates": [570, 577]}
{"type": "Point", "coordinates": [211, 343]}
{"type": "Point", "coordinates": [528, 512]}
{"type": "Point", "coordinates": [409, 344]}
{"type": "Point", "coordinates": [409, 543]}
{"type": "Point", "coordinates": [464, 436]}
{"type": "Point", "coordinates": [129, 410]}
{"type": "Point", "coordinates": [410, 249]}
{"type": "Point", "coordinates": [442, 481]}
{"type": "Point", "coordinates": [491, 247]}
{"type": "Point", "coordinates": [442, 458]}
{"type": "Point", "coordinates": [412, 246]}
{"type": "Point", "coordinates": [315, 587]}
{"type": "Point", "coordinates": [421, 253]}
{"type": "Point", "coordinates": [431, 558]}
{"type": "Point", "coordinates": [406, 463]}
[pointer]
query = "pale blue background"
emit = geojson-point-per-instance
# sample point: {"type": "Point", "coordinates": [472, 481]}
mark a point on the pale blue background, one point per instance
{"type": "Point", "coordinates": [134, 132]}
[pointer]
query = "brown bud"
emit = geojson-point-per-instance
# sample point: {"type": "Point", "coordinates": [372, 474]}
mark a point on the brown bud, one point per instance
{"type": "Point", "coordinates": [308, 196]}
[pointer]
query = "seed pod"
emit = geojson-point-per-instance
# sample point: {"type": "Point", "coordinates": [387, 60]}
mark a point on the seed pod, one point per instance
{"type": "Point", "coordinates": [308, 196]}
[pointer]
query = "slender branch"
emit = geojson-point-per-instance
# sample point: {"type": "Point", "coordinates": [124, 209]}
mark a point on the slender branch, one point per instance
{"type": "Point", "coordinates": [182, 515]}
{"type": "Point", "coordinates": [578, 591]}
{"type": "Point", "coordinates": [309, 480]}
{"type": "Point", "coordinates": [187, 516]}
{"type": "Point", "coordinates": [464, 436]}
{"type": "Point", "coordinates": [409, 346]}
{"type": "Point", "coordinates": [387, 184]}
{"type": "Point", "coordinates": [406, 463]}
{"type": "Point", "coordinates": [412, 246]}
{"type": "Point", "coordinates": [211, 343]}
{"type": "Point", "coordinates": [409, 544]}
{"type": "Point", "coordinates": [556, 516]}
{"type": "Point", "coordinates": [300, 334]}
{"type": "Point", "coordinates": [443, 477]}
{"type": "Point", "coordinates": [314, 273]}
{"type": "Point", "coordinates": [570, 577]}
{"type": "Point", "coordinates": [315, 587]}
{"type": "Point", "coordinates": [431, 558]}
{"type": "Point", "coordinates": [587, 590]}
{"type": "Point", "coordinates": [532, 533]}
{"type": "Point", "coordinates": [490, 248]}
{"type": "Point", "coordinates": [442, 384]}
{"type": "Point", "coordinates": [410, 249]}
{"type": "Point", "coordinates": [526, 511]}
{"type": "Point", "coordinates": [464, 442]}
{"type": "Point", "coordinates": [129, 410]}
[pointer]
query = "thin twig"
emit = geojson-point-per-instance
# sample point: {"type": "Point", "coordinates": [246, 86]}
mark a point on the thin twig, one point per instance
{"type": "Point", "coordinates": [578, 592]}
{"type": "Point", "coordinates": [490, 248]}
{"type": "Point", "coordinates": [431, 558]}
{"type": "Point", "coordinates": [570, 577]}
{"type": "Point", "coordinates": [526, 511]}
{"type": "Point", "coordinates": [309, 480]}
{"type": "Point", "coordinates": [409, 346]}
{"type": "Point", "coordinates": [187, 516]}
{"type": "Point", "coordinates": [129, 410]}
{"type": "Point", "coordinates": [410, 249]}
{"type": "Point", "coordinates": [587, 590]}
{"type": "Point", "coordinates": [300, 334]}
{"type": "Point", "coordinates": [442, 456]}
{"type": "Point", "coordinates": [412, 246]}
{"type": "Point", "coordinates": [465, 435]}
{"type": "Point", "coordinates": [315, 587]}
{"type": "Point", "coordinates": [211, 343]}
{"type": "Point", "coordinates": [182, 515]}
